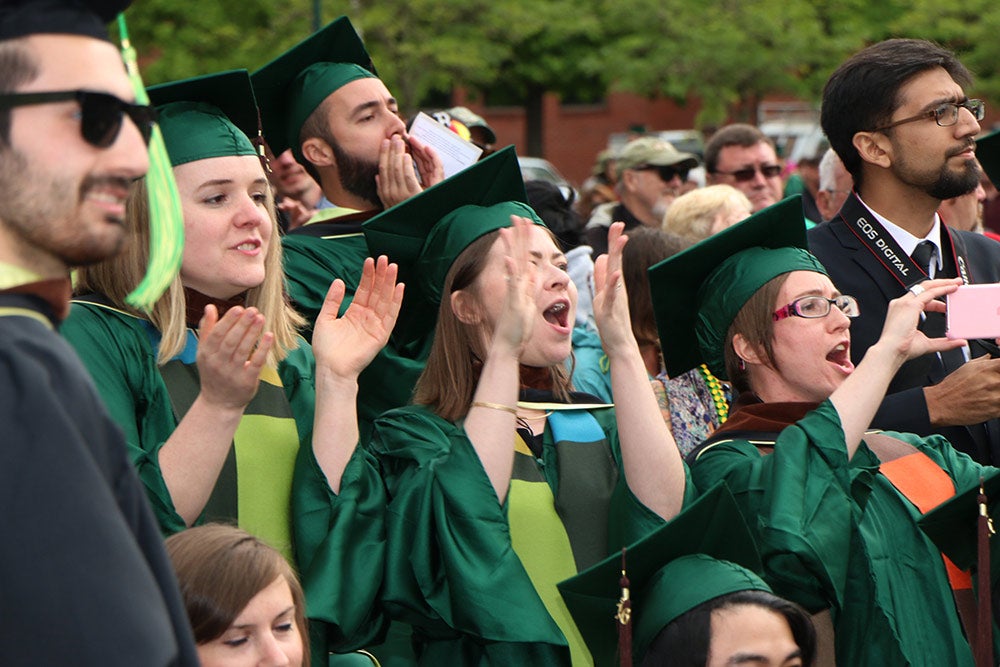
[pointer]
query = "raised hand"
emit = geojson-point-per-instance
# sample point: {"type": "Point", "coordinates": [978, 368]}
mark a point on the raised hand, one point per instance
{"type": "Point", "coordinates": [610, 299]}
{"type": "Point", "coordinates": [429, 165]}
{"type": "Point", "coordinates": [297, 212]}
{"type": "Point", "coordinates": [901, 320]}
{"type": "Point", "coordinates": [231, 353]}
{"type": "Point", "coordinates": [515, 325]}
{"type": "Point", "coordinates": [346, 345]}
{"type": "Point", "coordinates": [397, 178]}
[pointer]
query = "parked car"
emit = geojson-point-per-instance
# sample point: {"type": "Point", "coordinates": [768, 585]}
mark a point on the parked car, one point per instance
{"type": "Point", "coordinates": [539, 169]}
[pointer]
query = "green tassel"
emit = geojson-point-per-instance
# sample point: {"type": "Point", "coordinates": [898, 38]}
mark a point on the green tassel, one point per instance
{"type": "Point", "coordinates": [166, 218]}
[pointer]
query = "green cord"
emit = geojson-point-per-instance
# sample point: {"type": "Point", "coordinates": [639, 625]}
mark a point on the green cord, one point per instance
{"type": "Point", "coordinates": [166, 218]}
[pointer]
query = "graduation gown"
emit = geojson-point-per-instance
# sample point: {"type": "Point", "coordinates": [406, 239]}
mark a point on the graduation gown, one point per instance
{"type": "Point", "coordinates": [837, 534]}
{"type": "Point", "coordinates": [313, 256]}
{"type": "Point", "coordinates": [283, 497]}
{"type": "Point", "coordinates": [84, 578]}
{"type": "Point", "coordinates": [476, 578]}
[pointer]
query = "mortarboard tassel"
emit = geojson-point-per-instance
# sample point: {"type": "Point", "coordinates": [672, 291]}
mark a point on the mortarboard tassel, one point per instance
{"type": "Point", "coordinates": [984, 639]}
{"type": "Point", "coordinates": [166, 218]}
{"type": "Point", "coordinates": [624, 618]}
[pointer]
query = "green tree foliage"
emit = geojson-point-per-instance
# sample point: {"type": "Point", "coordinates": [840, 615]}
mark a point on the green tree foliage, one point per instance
{"type": "Point", "coordinates": [970, 28]}
{"type": "Point", "coordinates": [725, 54]}
{"type": "Point", "coordinates": [176, 39]}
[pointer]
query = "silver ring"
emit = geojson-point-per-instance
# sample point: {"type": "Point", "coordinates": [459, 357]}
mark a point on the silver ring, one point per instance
{"type": "Point", "coordinates": [916, 290]}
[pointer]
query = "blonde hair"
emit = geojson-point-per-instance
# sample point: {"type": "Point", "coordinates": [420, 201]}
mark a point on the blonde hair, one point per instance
{"type": "Point", "coordinates": [693, 213]}
{"type": "Point", "coordinates": [116, 277]}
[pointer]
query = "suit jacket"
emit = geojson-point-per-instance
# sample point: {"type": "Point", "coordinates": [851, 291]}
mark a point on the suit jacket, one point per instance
{"type": "Point", "coordinates": [858, 272]}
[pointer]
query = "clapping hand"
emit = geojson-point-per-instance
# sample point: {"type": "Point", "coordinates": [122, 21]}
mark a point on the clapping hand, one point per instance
{"type": "Point", "coordinates": [232, 351]}
{"type": "Point", "coordinates": [347, 344]}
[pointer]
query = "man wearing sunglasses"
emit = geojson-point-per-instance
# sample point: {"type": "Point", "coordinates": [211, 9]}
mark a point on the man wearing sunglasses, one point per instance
{"type": "Point", "coordinates": [744, 157]}
{"type": "Point", "coordinates": [83, 573]}
{"type": "Point", "coordinates": [898, 116]}
{"type": "Point", "coordinates": [651, 173]}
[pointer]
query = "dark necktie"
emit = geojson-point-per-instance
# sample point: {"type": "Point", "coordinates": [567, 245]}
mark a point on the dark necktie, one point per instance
{"type": "Point", "coordinates": [923, 255]}
{"type": "Point", "coordinates": [934, 324]}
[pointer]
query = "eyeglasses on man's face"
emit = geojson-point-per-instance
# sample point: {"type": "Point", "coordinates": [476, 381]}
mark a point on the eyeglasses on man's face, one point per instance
{"type": "Point", "coordinates": [944, 114]}
{"type": "Point", "coordinates": [748, 173]}
{"type": "Point", "coordinates": [812, 307]}
{"type": "Point", "coordinates": [101, 114]}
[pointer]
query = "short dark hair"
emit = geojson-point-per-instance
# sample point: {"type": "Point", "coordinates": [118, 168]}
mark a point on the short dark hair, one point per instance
{"type": "Point", "coordinates": [315, 126]}
{"type": "Point", "coordinates": [737, 134]}
{"type": "Point", "coordinates": [863, 93]}
{"type": "Point", "coordinates": [685, 641]}
{"type": "Point", "coordinates": [17, 68]}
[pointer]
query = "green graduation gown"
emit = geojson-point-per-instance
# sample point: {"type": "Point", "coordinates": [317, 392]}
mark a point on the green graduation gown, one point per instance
{"type": "Point", "coordinates": [313, 256]}
{"type": "Point", "coordinates": [476, 578]}
{"type": "Point", "coordinates": [120, 352]}
{"type": "Point", "coordinates": [837, 534]}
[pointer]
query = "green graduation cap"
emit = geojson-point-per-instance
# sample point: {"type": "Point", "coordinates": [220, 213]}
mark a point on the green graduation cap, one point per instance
{"type": "Point", "coordinates": [427, 232]}
{"type": "Point", "coordinates": [698, 292]}
{"type": "Point", "coordinates": [705, 552]}
{"type": "Point", "coordinates": [207, 116]}
{"type": "Point", "coordinates": [988, 152]}
{"type": "Point", "coordinates": [291, 86]}
{"type": "Point", "coordinates": [952, 524]}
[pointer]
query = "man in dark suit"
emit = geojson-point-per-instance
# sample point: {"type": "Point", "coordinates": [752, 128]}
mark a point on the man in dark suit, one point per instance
{"type": "Point", "coordinates": [897, 115]}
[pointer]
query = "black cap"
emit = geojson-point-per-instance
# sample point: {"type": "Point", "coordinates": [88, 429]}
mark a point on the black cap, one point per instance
{"type": "Point", "coordinates": [90, 18]}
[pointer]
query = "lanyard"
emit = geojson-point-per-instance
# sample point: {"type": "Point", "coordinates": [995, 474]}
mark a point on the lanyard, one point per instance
{"type": "Point", "coordinates": [880, 243]}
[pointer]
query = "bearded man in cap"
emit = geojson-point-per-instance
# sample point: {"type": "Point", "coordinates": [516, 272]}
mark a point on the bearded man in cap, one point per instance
{"type": "Point", "coordinates": [651, 173]}
{"type": "Point", "coordinates": [84, 576]}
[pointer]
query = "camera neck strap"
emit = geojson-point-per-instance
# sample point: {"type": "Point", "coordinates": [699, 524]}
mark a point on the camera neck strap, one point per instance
{"type": "Point", "coordinates": [888, 252]}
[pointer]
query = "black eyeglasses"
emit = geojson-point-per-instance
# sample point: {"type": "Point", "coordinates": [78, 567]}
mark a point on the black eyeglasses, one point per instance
{"type": "Point", "coordinates": [812, 307]}
{"type": "Point", "coordinates": [666, 173]}
{"type": "Point", "coordinates": [100, 113]}
{"type": "Point", "coordinates": [748, 173]}
{"type": "Point", "coordinates": [945, 114]}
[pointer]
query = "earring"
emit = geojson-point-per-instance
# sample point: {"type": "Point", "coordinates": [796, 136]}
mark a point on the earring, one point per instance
{"type": "Point", "coordinates": [742, 365]}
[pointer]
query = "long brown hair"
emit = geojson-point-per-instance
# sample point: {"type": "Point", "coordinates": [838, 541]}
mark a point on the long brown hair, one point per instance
{"type": "Point", "coordinates": [220, 569]}
{"type": "Point", "coordinates": [117, 276]}
{"type": "Point", "coordinates": [452, 372]}
{"type": "Point", "coordinates": [646, 246]}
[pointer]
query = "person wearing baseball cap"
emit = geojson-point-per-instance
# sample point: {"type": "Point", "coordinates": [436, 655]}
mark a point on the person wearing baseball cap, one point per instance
{"type": "Point", "coordinates": [650, 175]}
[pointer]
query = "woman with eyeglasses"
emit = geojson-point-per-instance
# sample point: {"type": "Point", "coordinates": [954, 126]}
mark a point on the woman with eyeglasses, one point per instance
{"type": "Point", "coordinates": [834, 508]}
{"type": "Point", "coordinates": [229, 415]}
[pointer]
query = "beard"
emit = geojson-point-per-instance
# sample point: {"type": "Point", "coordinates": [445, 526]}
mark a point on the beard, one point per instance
{"type": "Point", "coordinates": [946, 182]}
{"type": "Point", "coordinates": [954, 184]}
{"type": "Point", "coordinates": [43, 214]}
{"type": "Point", "coordinates": [357, 175]}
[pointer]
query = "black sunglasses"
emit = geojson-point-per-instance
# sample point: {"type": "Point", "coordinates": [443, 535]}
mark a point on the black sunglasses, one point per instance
{"type": "Point", "coordinates": [100, 113]}
{"type": "Point", "coordinates": [748, 173]}
{"type": "Point", "coordinates": [666, 173]}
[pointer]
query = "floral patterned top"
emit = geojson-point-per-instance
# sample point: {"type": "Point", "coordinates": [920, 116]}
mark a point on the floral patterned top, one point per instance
{"type": "Point", "coordinates": [690, 406]}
